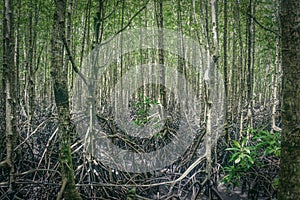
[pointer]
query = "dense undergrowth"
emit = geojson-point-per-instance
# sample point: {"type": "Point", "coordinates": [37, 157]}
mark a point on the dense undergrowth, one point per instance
{"type": "Point", "coordinates": [249, 164]}
{"type": "Point", "coordinates": [254, 164]}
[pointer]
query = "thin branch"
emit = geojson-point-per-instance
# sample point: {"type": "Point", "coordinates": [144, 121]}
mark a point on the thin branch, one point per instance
{"type": "Point", "coordinates": [198, 161]}
{"type": "Point", "coordinates": [263, 27]}
{"type": "Point", "coordinates": [4, 163]}
{"type": "Point", "coordinates": [32, 133]}
{"type": "Point", "coordinates": [62, 189]}
{"type": "Point", "coordinates": [111, 13]}
{"type": "Point", "coordinates": [75, 68]}
{"type": "Point", "coordinates": [127, 25]}
{"type": "Point", "coordinates": [35, 170]}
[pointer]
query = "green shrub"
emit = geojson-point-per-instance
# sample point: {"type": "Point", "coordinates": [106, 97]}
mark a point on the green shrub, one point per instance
{"type": "Point", "coordinates": [247, 156]}
{"type": "Point", "coordinates": [142, 109]}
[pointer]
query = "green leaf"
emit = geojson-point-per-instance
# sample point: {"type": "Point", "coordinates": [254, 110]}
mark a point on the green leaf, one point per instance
{"type": "Point", "coordinates": [232, 149]}
{"type": "Point", "coordinates": [247, 150]}
{"type": "Point", "coordinates": [237, 160]}
{"type": "Point", "coordinates": [251, 160]}
{"type": "Point", "coordinates": [234, 156]}
{"type": "Point", "coordinates": [236, 144]}
{"type": "Point", "coordinates": [244, 142]}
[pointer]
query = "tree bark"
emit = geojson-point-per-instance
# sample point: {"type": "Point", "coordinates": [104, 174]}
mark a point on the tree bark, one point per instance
{"type": "Point", "coordinates": [275, 76]}
{"type": "Point", "coordinates": [9, 84]}
{"type": "Point", "coordinates": [226, 81]}
{"type": "Point", "coordinates": [249, 28]}
{"type": "Point", "coordinates": [289, 175]}
{"type": "Point", "coordinates": [59, 76]}
{"type": "Point", "coordinates": [161, 56]}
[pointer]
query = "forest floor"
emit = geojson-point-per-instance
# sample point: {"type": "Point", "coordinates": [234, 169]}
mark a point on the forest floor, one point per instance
{"type": "Point", "coordinates": [231, 194]}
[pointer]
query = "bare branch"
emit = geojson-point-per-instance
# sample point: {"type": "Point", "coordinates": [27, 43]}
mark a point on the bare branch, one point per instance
{"type": "Point", "coordinates": [263, 27]}
{"type": "Point", "coordinates": [74, 67]}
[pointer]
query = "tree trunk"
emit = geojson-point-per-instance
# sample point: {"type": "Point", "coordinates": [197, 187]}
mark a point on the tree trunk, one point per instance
{"type": "Point", "coordinates": [161, 57]}
{"type": "Point", "coordinates": [59, 76]}
{"type": "Point", "coordinates": [249, 27]}
{"type": "Point", "coordinates": [9, 84]}
{"type": "Point", "coordinates": [289, 175]}
{"type": "Point", "coordinates": [240, 85]}
{"type": "Point", "coordinates": [180, 67]}
{"type": "Point", "coordinates": [275, 76]}
{"type": "Point", "coordinates": [226, 81]}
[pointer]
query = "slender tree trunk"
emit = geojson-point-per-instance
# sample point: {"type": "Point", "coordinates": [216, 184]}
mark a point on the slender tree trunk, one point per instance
{"type": "Point", "coordinates": [180, 48]}
{"type": "Point", "coordinates": [9, 77]}
{"type": "Point", "coordinates": [17, 49]}
{"type": "Point", "coordinates": [60, 85]}
{"type": "Point", "coordinates": [289, 175]}
{"type": "Point", "coordinates": [215, 47]}
{"type": "Point", "coordinates": [70, 71]}
{"type": "Point", "coordinates": [30, 99]}
{"type": "Point", "coordinates": [208, 80]}
{"type": "Point", "coordinates": [240, 84]}
{"type": "Point", "coordinates": [234, 75]}
{"type": "Point", "coordinates": [275, 76]}
{"type": "Point", "coordinates": [226, 81]}
{"type": "Point", "coordinates": [250, 63]}
{"type": "Point", "coordinates": [161, 58]}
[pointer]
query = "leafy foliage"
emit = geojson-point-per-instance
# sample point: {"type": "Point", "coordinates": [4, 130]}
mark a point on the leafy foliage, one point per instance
{"type": "Point", "coordinates": [247, 156]}
{"type": "Point", "coordinates": [142, 108]}
{"type": "Point", "coordinates": [268, 142]}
